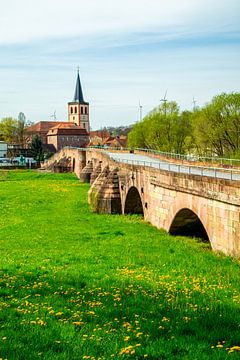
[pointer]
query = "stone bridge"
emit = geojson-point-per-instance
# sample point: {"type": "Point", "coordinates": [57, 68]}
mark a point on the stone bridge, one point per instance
{"type": "Point", "coordinates": [180, 203]}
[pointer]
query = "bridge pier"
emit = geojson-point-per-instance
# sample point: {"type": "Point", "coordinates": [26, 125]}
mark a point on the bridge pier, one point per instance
{"type": "Point", "coordinates": [104, 195]}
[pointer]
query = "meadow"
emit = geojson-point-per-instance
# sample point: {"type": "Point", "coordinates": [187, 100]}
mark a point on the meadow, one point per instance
{"type": "Point", "coordinates": [79, 285]}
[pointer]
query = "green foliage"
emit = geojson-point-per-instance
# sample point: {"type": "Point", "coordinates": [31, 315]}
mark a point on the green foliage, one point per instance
{"type": "Point", "coordinates": [21, 126]}
{"type": "Point", "coordinates": [211, 130]}
{"type": "Point", "coordinates": [36, 148]}
{"type": "Point", "coordinates": [163, 129]}
{"type": "Point", "coordinates": [217, 126]}
{"type": "Point", "coordinates": [77, 285]}
{"type": "Point", "coordinates": [8, 130]}
{"type": "Point", "coordinates": [12, 130]}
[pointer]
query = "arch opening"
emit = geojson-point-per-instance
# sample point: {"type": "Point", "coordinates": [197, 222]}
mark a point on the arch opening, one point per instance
{"type": "Point", "coordinates": [73, 165]}
{"type": "Point", "coordinates": [133, 203]}
{"type": "Point", "coordinates": [187, 223]}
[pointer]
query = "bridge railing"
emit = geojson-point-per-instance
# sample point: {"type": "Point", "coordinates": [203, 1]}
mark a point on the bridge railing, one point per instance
{"type": "Point", "coordinates": [224, 162]}
{"type": "Point", "coordinates": [214, 172]}
{"type": "Point", "coordinates": [193, 157]}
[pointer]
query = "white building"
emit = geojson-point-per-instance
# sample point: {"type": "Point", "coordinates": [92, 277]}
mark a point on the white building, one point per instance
{"type": "Point", "coordinates": [3, 149]}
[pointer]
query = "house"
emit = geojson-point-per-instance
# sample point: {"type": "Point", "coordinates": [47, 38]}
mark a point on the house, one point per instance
{"type": "Point", "coordinates": [3, 149]}
{"type": "Point", "coordinates": [98, 137]}
{"type": "Point", "coordinates": [41, 129]}
{"type": "Point", "coordinates": [67, 135]}
{"type": "Point", "coordinates": [119, 141]}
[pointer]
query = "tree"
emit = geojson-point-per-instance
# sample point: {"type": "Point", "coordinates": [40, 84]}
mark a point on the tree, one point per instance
{"type": "Point", "coordinates": [36, 148]}
{"type": "Point", "coordinates": [21, 125]}
{"type": "Point", "coordinates": [136, 138]}
{"type": "Point", "coordinates": [183, 136]}
{"type": "Point", "coordinates": [8, 130]}
{"type": "Point", "coordinates": [12, 130]}
{"type": "Point", "coordinates": [164, 128]}
{"type": "Point", "coordinates": [217, 126]}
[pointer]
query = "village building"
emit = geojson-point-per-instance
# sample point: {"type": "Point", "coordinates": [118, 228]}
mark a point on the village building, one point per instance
{"type": "Point", "coordinates": [119, 141]}
{"type": "Point", "coordinates": [57, 134]}
{"type": "Point", "coordinates": [98, 137]}
{"type": "Point", "coordinates": [3, 149]}
{"type": "Point", "coordinates": [105, 139]}
{"type": "Point", "coordinates": [67, 135]}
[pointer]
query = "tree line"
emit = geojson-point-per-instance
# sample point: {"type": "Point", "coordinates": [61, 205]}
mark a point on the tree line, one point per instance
{"type": "Point", "coordinates": [212, 130]}
{"type": "Point", "coordinates": [12, 130]}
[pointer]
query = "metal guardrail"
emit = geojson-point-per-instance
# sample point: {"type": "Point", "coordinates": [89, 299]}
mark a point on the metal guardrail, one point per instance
{"type": "Point", "coordinates": [181, 157]}
{"type": "Point", "coordinates": [193, 158]}
{"type": "Point", "coordinates": [211, 171]}
{"type": "Point", "coordinates": [218, 173]}
{"type": "Point", "coordinates": [169, 155]}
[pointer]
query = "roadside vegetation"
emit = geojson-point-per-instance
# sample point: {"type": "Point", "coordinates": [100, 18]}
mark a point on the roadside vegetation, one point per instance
{"type": "Point", "coordinates": [213, 130]}
{"type": "Point", "coordinates": [79, 285]}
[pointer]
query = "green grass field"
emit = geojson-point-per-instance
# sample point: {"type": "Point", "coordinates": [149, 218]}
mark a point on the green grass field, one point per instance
{"type": "Point", "coordinates": [78, 285]}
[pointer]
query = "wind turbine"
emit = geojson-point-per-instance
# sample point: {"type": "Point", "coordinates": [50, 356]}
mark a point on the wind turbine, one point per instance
{"type": "Point", "coordinates": [164, 100]}
{"type": "Point", "coordinates": [194, 104]}
{"type": "Point", "coordinates": [54, 115]}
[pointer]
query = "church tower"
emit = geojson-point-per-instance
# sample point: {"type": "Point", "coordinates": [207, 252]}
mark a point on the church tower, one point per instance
{"type": "Point", "coordinates": [78, 109]}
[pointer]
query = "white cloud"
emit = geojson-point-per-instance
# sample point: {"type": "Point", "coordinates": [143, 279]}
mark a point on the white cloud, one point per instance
{"type": "Point", "coordinates": [128, 50]}
{"type": "Point", "coordinates": [27, 19]}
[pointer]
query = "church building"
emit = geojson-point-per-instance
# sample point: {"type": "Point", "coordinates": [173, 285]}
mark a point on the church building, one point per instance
{"type": "Point", "coordinates": [78, 109]}
{"type": "Point", "coordinates": [74, 132]}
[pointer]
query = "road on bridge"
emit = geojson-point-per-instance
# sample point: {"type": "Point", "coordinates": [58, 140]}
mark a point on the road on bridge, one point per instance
{"type": "Point", "coordinates": [146, 160]}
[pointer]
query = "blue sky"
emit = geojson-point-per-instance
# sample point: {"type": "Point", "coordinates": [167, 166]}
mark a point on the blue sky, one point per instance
{"type": "Point", "coordinates": [127, 51]}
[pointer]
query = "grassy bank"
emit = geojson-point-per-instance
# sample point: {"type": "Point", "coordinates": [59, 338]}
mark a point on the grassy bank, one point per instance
{"type": "Point", "coordinates": [77, 285]}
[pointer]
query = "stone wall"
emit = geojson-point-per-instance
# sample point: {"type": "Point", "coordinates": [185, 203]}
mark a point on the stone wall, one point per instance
{"type": "Point", "coordinates": [77, 159]}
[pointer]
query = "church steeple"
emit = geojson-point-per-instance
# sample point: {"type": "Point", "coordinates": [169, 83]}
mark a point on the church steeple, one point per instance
{"type": "Point", "coordinates": [78, 109]}
{"type": "Point", "coordinates": [78, 96]}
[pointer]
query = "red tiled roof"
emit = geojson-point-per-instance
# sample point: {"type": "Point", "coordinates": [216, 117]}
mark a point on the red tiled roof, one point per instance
{"type": "Point", "coordinates": [77, 130]}
{"type": "Point", "coordinates": [44, 126]}
{"type": "Point", "coordinates": [103, 134]}
{"type": "Point", "coordinates": [117, 141]}
{"type": "Point", "coordinates": [66, 125]}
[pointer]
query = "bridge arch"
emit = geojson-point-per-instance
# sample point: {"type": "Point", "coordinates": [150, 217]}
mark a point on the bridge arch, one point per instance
{"type": "Point", "coordinates": [133, 203]}
{"type": "Point", "coordinates": [187, 223]}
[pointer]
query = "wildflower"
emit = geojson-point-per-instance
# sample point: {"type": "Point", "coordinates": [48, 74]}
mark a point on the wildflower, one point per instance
{"type": "Point", "coordinates": [165, 319]}
{"type": "Point", "coordinates": [127, 350]}
{"type": "Point", "coordinates": [234, 348]}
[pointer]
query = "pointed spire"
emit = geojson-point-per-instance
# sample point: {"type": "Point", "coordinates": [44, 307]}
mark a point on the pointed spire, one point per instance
{"type": "Point", "coordinates": [78, 96]}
